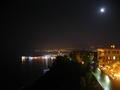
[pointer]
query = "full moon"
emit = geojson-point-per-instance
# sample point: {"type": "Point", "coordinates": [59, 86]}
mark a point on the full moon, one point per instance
{"type": "Point", "coordinates": [102, 10]}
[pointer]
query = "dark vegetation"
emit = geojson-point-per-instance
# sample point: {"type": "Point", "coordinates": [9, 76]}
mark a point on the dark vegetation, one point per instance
{"type": "Point", "coordinates": [66, 74]}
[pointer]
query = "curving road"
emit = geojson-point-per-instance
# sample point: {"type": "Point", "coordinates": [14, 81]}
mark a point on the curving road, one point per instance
{"type": "Point", "coordinates": [103, 79]}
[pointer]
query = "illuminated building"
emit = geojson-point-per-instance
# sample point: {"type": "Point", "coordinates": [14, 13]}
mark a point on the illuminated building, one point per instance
{"type": "Point", "coordinates": [108, 54]}
{"type": "Point", "coordinates": [109, 61]}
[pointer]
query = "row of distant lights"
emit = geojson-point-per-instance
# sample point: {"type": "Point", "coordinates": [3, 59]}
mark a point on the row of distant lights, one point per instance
{"type": "Point", "coordinates": [24, 58]}
{"type": "Point", "coordinates": [115, 76]}
{"type": "Point", "coordinates": [113, 57]}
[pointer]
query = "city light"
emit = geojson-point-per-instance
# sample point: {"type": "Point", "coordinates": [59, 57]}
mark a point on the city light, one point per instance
{"type": "Point", "coordinates": [117, 75]}
{"type": "Point", "coordinates": [52, 57]}
{"type": "Point", "coordinates": [30, 58]}
{"type": "Point", "coordinates": [112, 70]}
{"type": "Point", "coordinates": [114, 57]}
{"type": "Point", "coordinates": [23, 58]}
{"type": "Point", "coordinates": [112, 46]}
{"type": "Point", "coordinates": [46, 57]}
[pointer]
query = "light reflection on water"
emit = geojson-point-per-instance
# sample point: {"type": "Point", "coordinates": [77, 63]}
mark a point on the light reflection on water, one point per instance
{"type": "Point", "coordinates": [33, 68]}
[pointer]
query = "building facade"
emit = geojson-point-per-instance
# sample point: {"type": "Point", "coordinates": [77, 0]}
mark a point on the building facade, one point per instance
{"type": "Point", "coordinates": [108, 54]}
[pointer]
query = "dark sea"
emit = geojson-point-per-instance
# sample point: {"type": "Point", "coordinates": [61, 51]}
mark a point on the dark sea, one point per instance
{"type": "Point", "coordinates": [19, 74]}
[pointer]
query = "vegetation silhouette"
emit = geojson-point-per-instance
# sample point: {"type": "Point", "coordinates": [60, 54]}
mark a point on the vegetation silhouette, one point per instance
{"type": "Point", "coordinates": [65, 74]}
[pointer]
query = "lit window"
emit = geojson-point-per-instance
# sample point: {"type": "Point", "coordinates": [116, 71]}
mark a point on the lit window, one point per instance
{"type": "Point", "coordinates": [109, 58]}
{"type": "Point", "coordinates": [114, 57]}
{"type": "Point", "coordinates": [112, 46]}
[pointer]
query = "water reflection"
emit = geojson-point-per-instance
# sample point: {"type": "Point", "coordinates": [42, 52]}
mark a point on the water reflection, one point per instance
{"type": "Point", "coordinates": [33, 67]}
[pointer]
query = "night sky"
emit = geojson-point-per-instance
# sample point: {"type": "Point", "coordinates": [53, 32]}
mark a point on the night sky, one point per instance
{"type": "Point", "coordinates": [44, 24]}
{"type": "Point", "coordinates": [41, 24]}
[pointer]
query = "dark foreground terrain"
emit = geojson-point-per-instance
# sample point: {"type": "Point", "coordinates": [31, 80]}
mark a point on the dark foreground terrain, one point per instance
{"type": "Point", "coordinates": [66, 75]}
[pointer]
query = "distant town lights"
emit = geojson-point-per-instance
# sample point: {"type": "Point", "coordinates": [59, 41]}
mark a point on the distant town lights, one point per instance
{"type": "Point", "coordinates": [117, 75]}
{"type": "Point", "coordinates": [23, 58]}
